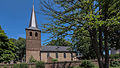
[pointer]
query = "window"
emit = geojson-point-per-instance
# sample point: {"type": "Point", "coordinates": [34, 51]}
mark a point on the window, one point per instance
{"type": "Point", "coordinates": [72, 55]}
{"type": "Point", "coordinates": [36, 34]}
{"type": "Point", "coordinates": [48, 55]}
{"type": "Point", "coordinates": [56, 55]}
{"type": "Point", "coordinates": [30, 33]}
{"type": "Point", "coordinates": [64, 55]}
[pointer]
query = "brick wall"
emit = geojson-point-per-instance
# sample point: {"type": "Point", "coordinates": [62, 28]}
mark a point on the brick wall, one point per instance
{"type": "Point", "coordinates": [33, 44]}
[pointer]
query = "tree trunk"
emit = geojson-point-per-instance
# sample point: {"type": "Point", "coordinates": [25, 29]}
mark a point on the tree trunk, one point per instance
{"type": "Point", "coordinates": [94, 43]}
{"type": "Point", "coordinates": [100, 42]}
{"type": "Point", "coordinates": [106, 49]}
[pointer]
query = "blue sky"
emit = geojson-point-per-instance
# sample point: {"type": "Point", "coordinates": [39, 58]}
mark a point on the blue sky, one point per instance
{"type": "Point", "coordinates": [15, 17]}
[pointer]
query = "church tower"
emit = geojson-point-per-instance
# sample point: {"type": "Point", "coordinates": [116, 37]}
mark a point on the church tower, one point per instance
{"type": "Point", "coordinates": [33, 38]}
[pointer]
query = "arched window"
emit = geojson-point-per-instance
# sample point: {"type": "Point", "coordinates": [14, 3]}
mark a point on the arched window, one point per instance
{"type": "Point", "coordinates": [36, 34]}
{"type": "Point", "coordinates": [30, 33]}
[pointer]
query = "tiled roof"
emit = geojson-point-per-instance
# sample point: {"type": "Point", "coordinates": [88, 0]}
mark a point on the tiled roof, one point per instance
{"type": "Point", "coordinates": [56, 48]}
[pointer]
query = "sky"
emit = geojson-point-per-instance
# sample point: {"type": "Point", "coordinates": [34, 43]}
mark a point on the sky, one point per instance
{"type": "Point", "coordinates": [15, 17]}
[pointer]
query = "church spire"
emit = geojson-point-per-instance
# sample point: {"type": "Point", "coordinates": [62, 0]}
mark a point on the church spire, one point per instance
{"type": "Point", "coordinates": [33, 21]}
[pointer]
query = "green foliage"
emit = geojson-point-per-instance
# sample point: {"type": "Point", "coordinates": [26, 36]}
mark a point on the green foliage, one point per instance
{"type": "Point", "coordinates": [16, 66]}
{"type": "Point", "coordinates": [100, 18]}
{"type": "Point", "coordinates": [21, 48]}
{"type": "Point", "coordinates": [59, 42]}
{"type": "Point", "coordinates": [115, 63]}
{"type": "Point", "coordinates": [5, 67]}
{"type": "Point", "coordinates": [74, 67]}
{"type": "Point", "coordinates": [32, 60]}
{"type": "Point", "coordinates": [54, 60]}
{"type": "Point", "coordinates": [13, 40]}
{"type": "Point", "coordinates": [87, 64]}
{"type": "Point", "coordinates": [82, 44]}
{"type": "Point", "coordinates": [40, 64]}
{"type": "Point", "coordinates": [7, 48]}
{"type": "Point", "coordinates": [115, 56]}
{"type": "Point", "coordinates": [21, 65]}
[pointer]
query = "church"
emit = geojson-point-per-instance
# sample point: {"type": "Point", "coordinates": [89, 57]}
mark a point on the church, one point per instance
{"type": "Point", "coordinates": [44, 53]}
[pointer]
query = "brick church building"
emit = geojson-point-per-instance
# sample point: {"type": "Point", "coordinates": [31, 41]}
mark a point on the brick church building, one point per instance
{"type": "Point", "coordinates": [43, 53]}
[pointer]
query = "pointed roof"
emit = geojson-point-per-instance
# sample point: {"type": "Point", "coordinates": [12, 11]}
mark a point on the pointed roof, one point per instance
{"type": "Point", "coordinates": [33, 22]}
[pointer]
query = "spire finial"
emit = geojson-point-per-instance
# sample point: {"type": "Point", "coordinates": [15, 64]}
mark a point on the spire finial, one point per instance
{"type": "Point", "coordinates": [33, 3]}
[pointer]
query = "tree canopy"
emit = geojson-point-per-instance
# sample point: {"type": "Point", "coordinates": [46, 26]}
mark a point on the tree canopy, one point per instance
{"type": "Point", "coordinates": [100, 18]}
{"type": "Point", "coordinates": [7, 48]}
{"type": "Point", "coordinates": [59, 42]}
{"type": "Point", "coordinates": [82, 45]}
{"type": "Point", "coordinates": [21, 48]}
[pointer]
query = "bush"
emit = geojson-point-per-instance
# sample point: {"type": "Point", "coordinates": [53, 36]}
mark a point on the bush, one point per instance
{"type": "Point", "coordinates": [40, 64]}
{"type": "Point", "coordinates": [115, 56]}
{"type": "Point", "coordinates": [16, 66]}
{"type": "Point", "coordinates": [5, 67]}
{"type": "Point", "coordinates": [114, 63]}
{"type": "Point", "coordinates": [87, 64]}
{"type": "Point", "coordinates": [22, 65]}
{"type": "Point", "coordinates": [54, 60]}
{"type": "Point", "coordinates": [32, 60]}
{"type": "Point", "coordinates": [74, 67]}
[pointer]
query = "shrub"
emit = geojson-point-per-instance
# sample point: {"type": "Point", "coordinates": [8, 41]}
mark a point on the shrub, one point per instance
{"type": "Point", "coordinates": [16, 66]}
{"type": "Point", "coordinates": [22, 65]}
{"type": "Point", "coordinates": [115, 56]}
{"type": "Point", "coordinates": [114, 63]}
{"type": "Point", "coordinates": [32, 60]}
{"type": "Point", "coordinates": [54, 60]}
{"type": "Point", "coordinates": [87, 64]}
{"type": "Point", "coordinates": [5, 67]}
{"type": "Point", "coordinates": [40, 64]}
{"type": "Point", "coordinates": [74, 67]}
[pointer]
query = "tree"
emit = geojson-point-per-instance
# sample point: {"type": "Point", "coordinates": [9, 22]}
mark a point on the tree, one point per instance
{"type": "Point", "coordinates": [59, 42]}
{"type": "Point", "coordinates": [21, 51]}
{"type": "Point", "coordinates": [7, 48]}
{"type": "Point", "coordinates": [81, 42]}
{"type": "Point", "coordinates": [99, 17]}
{"type": "Point", "coordinates": [13, 40]}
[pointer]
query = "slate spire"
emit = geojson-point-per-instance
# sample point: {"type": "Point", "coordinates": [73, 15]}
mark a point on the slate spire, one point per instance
{"type": "Point", "coordinates": [33, 21]}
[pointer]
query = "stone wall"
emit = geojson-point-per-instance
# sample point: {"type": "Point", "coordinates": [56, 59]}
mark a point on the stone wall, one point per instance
{"type": "Point", "coordinates": [64, 64]}
{"type": "Point", "coordinates": [34, 54]}
{"type": "Point", "coordinates": [43, 56]}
